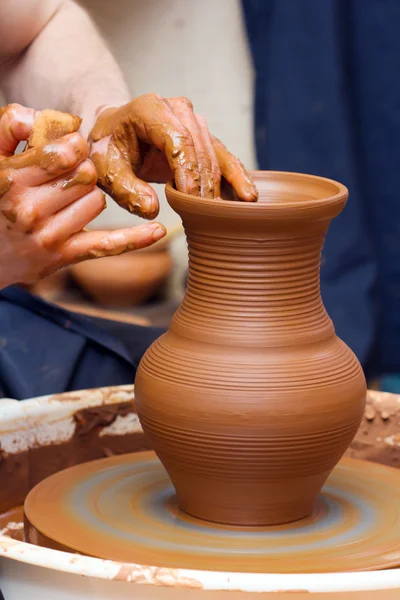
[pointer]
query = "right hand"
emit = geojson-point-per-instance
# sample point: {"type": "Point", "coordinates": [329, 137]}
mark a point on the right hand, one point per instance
{"type": "Point", "coordinates": [47, 196]}
{"type": "Point", "coordinates": [155, 139]}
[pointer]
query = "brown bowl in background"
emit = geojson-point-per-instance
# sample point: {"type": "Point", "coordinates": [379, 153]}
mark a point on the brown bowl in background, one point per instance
{"type": "Point", "coordinates": [126, 280]}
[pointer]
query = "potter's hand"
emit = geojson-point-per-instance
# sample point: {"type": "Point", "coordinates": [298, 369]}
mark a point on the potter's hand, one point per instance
{"type": "Point", "coordinates": [152, 139]}
{"type": "Point", "coordinates": [48, 194]}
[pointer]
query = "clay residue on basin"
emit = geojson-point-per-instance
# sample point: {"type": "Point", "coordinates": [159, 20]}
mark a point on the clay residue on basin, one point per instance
{"type": "Point", "coordinates": [378, 438]}
{"type": "Point", "coordinates": [42, 436]}
{"type": "Point", "coordinates": [11, 523]}
{"type": "Point", "coordinates": [154, 576]}
{"type": "Point", "coordinates": [99, 431]}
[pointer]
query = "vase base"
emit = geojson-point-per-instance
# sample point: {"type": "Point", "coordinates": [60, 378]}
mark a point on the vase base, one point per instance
{"type": "Point", "coordinates": [273, 516]}
{"type": "Point", "coordinates": [239, 500]}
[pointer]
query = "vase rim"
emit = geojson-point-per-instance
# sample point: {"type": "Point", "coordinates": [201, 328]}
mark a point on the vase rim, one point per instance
{"type": "Point", "coordinates": [281, 193]}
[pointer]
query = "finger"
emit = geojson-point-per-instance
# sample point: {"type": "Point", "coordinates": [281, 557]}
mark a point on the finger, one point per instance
{"type": "Point", "coordinates": [235, 173]}
{"type": "Point", "coordinates": [72, 219]}
{"type": "Point", "coordinates": [156, 124]}
{"type": "Point", "coordinates": [96, 244]}
{"type": "Point", "coordinates": [216, 171]}
{"type": "Point", "coordinates": [155, 167]}
{"type": "Point", "coordinates": [40, 165]}
{"type": "Point", "coordinates": [50, 198]}
{"type": "Point", "coordinates": [31, 206]}
{"type": "Point", "coordinates": [16, 123]}
{"type": "Point", "coordinates": [183, 109]}
{"type": "Point", "coordinates": [117, 178]}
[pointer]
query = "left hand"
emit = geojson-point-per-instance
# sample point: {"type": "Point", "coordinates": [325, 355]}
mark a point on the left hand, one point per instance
{"type": "Point", "coordinates": [153, 139]}
{"type": "Point", "coordinates": [48, 195]}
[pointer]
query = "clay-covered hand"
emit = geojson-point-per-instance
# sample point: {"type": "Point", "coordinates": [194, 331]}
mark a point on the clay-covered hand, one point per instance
{"type": "Point", "coordinates": [152, 139]}
{"type": "Point", "coordinates": [48, 194]}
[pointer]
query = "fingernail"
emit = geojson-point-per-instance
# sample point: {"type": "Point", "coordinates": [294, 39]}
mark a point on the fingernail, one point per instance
{"type": "Point", "coordinates": [158, 233]}
{"type": "Point", "coordinates": [148, 205]}
{"type": "Point", "coordinates": [250, 193]}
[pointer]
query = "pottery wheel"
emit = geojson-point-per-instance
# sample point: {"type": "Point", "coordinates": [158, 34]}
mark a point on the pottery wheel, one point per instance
{"type": "Point", "coordinates": [123, 508]}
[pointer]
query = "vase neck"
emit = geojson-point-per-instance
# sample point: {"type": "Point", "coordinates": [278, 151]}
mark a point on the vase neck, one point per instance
{"type": "Point", "coordinates": [255, 290]}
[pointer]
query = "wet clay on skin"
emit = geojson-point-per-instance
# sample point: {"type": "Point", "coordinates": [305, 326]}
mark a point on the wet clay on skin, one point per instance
{"type": "Point", "coordinates": [156, 139]}
{"type": "Point", "coordinates": [49, 126]}
{"type": "Point", "coordinates": [250, 399]}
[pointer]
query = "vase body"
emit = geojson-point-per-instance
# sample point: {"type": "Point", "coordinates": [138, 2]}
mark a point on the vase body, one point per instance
{"type": "Point", "coordinates": [250, 399]}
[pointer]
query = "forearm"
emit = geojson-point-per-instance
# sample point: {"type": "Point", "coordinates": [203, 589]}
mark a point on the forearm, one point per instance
{"type": "Point", "coordinates": [66, 67]}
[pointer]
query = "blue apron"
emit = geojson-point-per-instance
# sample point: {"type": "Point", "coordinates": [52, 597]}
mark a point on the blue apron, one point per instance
{"type": "Point", "coordinates": [327, 102]}
{"type": "Point", "coordinates": [46, 350]}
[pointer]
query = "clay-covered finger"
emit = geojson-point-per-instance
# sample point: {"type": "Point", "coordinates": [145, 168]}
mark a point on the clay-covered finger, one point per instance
{"type": "Point", "coordinates": [235, 173]}
{"type": "Point", "coordinates": [116, 178]}
{"type": "Point", "coordinates": [62, 191]}
{"type": "Point", "coordinates": [72, 219]}
{"type": "Point", "coordinates": [156, 124]}
{"type": "Point", "coordinates": [40, 165]}
{"type": "Point", "coordinates": [183, 109]}
{"type": "Point", "coordinates": [16, 124]}
{"type": "Point", "coordinates": [216, 171]}
{"type": "Point", "coordinates": [96, 244]}
{"type": "Point", "coordinates": [31, 206]}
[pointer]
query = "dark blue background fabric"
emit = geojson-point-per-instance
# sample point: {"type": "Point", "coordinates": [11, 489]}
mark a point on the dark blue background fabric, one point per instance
{"type": "Point", "coordinates": [327, 102]}
{"type": "Point", "coordinates": [45, 349]}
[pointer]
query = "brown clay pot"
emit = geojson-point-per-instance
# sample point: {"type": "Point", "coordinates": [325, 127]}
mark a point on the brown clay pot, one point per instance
{"type": "Point", "coordinates": [125, 280]}
{"type": "Point", "coordinates": [250, 399]}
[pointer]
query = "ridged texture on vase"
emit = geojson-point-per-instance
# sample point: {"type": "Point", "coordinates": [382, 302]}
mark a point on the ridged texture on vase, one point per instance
{"type": "Point", "coordinates": [250, 399]}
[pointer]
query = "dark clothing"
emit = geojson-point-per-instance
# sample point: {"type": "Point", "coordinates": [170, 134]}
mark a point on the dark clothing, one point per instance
{"type": "Point", "coordinates": [46, 350]}
{"type": "Point", "coordinates": [328, 103]}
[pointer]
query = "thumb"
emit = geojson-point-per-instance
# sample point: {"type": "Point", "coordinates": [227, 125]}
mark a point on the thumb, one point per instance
{"type": "Point", "coordinates": [116, 178]}
{"type": "Point", "coordinates": [16, 124]}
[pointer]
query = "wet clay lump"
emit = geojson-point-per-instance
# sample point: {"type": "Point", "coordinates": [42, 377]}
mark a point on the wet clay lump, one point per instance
{"type": "Point", "coordinates": [250, 399]}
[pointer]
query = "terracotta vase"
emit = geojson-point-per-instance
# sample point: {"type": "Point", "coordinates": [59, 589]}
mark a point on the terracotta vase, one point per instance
{"type": "Point", "coordinates": [250, 399]}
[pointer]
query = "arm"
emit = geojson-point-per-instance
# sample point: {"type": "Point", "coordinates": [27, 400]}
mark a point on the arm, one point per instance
{"type": "Point", "coordinates": [57, 59]}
